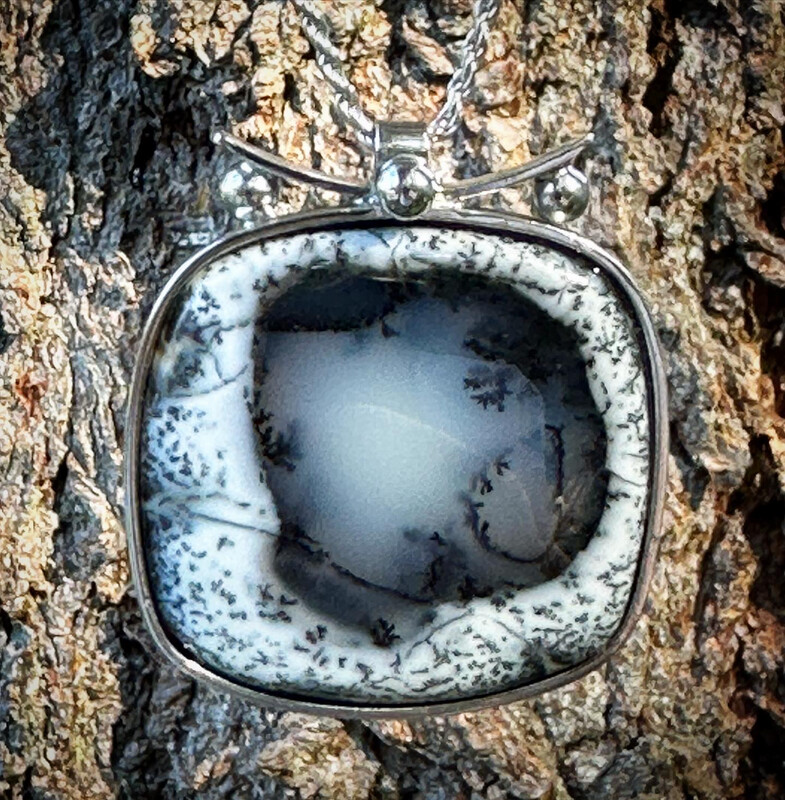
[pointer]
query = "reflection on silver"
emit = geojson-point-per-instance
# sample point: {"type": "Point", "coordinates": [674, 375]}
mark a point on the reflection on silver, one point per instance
{"type": "Point", "coordinates": [564, 196]}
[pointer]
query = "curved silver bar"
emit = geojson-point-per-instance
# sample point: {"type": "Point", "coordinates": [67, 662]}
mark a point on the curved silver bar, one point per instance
{"type": "Point", "coordinates": [286, 169]}
{"type": "Point", "coordinates": [493, 181]}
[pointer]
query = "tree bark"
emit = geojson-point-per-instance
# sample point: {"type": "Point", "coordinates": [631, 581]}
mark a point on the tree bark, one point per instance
{"type": "Point", "coordinates": [107, 177]}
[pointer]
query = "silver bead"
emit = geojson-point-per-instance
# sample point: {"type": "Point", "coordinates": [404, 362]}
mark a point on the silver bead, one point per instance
{"type": "Point", "coordinates": [563, 196]}
{"type": "Point", "coordinates": [405, 186]}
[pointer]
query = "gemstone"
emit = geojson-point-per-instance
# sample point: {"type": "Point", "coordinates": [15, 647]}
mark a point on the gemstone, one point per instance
{"type": "Point", "coordinates": [396, 465]}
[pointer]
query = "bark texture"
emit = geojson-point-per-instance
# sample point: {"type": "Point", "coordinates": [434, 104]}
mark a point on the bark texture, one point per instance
{"type": "Point", "coordinates": [107, 176]}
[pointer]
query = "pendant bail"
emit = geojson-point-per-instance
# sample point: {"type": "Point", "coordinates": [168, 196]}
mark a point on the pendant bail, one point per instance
{"type": "Point", "coordinates": [403, 182]}
{"type": "Point", "coordinates": [396, 137]}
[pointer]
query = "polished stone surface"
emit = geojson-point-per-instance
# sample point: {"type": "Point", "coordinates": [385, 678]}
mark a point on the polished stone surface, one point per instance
{"type": "Point", "coordinates": [396, 490]}
{"type": "Point", "coordinates": [422, 443]}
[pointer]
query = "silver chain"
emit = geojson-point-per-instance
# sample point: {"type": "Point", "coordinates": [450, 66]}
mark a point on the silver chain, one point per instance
{"type": "Point", "coordinates": [317, 30]}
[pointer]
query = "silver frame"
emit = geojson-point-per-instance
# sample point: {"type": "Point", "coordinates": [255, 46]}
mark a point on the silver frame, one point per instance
{"type": "Point", "coordinates": [496, 223]}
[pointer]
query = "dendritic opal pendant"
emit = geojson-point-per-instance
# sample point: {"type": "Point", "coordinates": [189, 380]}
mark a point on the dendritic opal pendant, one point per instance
{"type": "Point", "coordinates": [384, 467]}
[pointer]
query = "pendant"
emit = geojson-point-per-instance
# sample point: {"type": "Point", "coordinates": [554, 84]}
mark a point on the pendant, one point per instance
{"type": "Point", "coordinates": [392, 459]}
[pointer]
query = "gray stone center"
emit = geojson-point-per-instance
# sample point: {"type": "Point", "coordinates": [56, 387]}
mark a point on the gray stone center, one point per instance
{"type": "Point", "coordinates": [423, 442]}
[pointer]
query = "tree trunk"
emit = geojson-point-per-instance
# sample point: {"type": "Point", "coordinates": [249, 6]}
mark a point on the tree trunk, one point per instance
{"type": "Point", "coordinates": [107, 177]}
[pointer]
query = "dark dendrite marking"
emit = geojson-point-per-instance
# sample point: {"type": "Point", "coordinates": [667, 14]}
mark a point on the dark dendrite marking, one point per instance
{"type": "Point", "coordinates": [279, 448]}
{"type": "Point", "coordinates": [383, 633]}
{"type": "Point", "coordinates": [489, 389]}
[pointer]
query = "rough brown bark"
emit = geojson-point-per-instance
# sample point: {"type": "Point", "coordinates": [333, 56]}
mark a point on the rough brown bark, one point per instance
{"type": "Point", "coordinates": [106, 107]}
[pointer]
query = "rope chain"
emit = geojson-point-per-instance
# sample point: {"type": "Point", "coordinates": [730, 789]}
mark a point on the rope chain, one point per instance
{"type": "Point", "coordinates": [317, 30]}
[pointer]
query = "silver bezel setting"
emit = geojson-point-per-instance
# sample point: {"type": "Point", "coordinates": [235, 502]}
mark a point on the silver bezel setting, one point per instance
{"type": "Point", "coordinates": [495, 223]}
